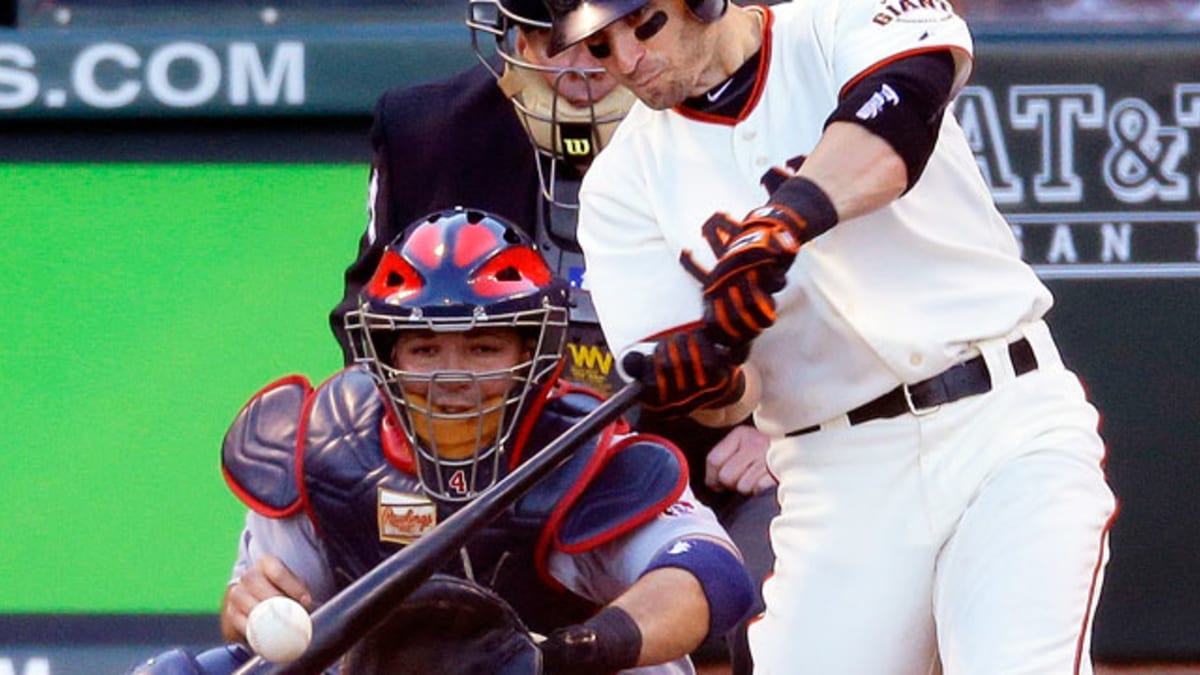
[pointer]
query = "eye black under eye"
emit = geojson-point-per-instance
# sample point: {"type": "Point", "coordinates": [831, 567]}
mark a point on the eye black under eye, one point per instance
{"type": "Point", "coordinates": [599, 50]}
{"type": "Point", "coordinates": [650, 28]}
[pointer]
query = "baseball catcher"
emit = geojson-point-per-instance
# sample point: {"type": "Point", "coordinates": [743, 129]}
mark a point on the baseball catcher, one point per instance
{"type": "Point", "coordinates": [458, 338]}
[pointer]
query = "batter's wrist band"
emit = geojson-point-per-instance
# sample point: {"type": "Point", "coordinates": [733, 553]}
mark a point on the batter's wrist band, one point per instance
{"type": "Point", "coordinates": [607, 642]}
{"type": "Point", "coordinates": [803, 206]}
{"type": "Point", "coordinates": [726, 584]}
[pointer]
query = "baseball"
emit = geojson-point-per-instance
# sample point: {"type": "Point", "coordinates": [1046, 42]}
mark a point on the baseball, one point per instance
{"type": "Point", "coordinates": [278, 629]}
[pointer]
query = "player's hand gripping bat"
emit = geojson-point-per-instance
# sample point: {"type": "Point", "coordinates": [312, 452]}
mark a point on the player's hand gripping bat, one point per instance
{"type": "Point", "coordinates": [688, 373]}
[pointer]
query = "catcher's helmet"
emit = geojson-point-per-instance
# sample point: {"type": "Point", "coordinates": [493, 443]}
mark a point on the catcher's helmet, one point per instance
{"type": "Point", "coordinates": [562, 132]}
{"type": "Point", "coordinates": [576, 20]}
{"type": "Point", "coordinates": [452, 272]}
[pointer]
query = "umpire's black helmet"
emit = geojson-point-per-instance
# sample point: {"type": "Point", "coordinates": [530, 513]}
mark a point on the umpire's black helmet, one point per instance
{"type": "Point", "coordinates": [531, 12]}
{"type": "Point", "coordinates": [498, 16]}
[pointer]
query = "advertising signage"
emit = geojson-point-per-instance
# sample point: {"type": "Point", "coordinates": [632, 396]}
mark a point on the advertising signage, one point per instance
{"type": "Point", "coordinates": [1092, 155]}
{"type": "Point", "coordinates": [52, 74]}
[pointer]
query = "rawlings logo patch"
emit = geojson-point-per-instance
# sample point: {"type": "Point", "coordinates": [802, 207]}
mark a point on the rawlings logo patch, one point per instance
{"type": "Point", "coordinates": [404, 517]}
{"type": "Point", "coordinates": [913, 11]}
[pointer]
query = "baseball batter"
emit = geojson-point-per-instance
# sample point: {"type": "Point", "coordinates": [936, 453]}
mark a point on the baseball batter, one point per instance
{"type": "Point", "coordinates": [790, 191]}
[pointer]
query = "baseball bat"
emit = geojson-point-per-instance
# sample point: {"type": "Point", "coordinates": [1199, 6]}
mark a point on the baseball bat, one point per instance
{"type": "Point", "coordinates": [347, 617]}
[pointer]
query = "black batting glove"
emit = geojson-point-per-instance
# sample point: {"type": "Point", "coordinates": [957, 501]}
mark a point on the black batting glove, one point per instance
{"type": "Point", "coordinates": [605, 643]}
{"type": "Point", "coordinates": [687, 372]}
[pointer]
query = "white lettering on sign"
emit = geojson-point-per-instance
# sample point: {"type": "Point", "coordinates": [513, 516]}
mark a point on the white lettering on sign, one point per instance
{"type": "Point", "coordinates": [35, 666]}
{"type": "Point", "coordinates": [18, 86]}
{"type": "Point", "coordinates": [249, 79]}
{"type": "Point", "coordinates": [83, 75]}
{"type": "Point", "coordinates": [1145, 151]}
{"type": "Point", "coordinates": [181, 74]}
{"type": "Point", "coordinates": [190, 56]}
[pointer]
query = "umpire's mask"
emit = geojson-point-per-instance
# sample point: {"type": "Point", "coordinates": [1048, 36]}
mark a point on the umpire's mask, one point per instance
{"type": "Point", "coordinates": [566, 135]}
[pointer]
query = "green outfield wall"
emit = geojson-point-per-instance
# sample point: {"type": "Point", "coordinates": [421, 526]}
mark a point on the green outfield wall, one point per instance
{"type": "Point", "coordinates": [142, 305]}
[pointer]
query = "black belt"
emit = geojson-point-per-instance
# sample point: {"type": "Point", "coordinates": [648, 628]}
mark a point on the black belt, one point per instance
{"type": "Point", "coordinates": [958, 381]}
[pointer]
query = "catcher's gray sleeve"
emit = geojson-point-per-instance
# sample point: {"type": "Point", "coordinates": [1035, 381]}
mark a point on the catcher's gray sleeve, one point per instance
{"type": "Point", "coordinates": [293, 541]}
{"type": "Point", "coordinates": [606, 571]}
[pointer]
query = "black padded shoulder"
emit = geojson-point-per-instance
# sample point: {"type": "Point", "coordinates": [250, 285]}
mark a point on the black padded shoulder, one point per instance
{"type": "Point", "coordinates": [639, 479]}
{"type": "Point", "coordinates": [258, 455]}
{"type": "Point", "coordinates": [611, 485]}
{"type": "Point", "coordinates": [341, 429]}
{"type": "Point", "coordinates": [559, 414]}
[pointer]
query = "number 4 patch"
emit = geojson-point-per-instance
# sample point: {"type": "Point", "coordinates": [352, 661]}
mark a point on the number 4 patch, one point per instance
{"type": "Point", "coordinates": [458, 482]}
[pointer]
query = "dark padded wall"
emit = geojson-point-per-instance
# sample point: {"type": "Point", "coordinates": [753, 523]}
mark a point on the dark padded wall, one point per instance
{"type": "Point", "coordinates": [1127, 313]}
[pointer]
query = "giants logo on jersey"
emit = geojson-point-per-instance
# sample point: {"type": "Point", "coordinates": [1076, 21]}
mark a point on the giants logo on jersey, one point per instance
{"type": "Point", "coordinates": [913, 11]}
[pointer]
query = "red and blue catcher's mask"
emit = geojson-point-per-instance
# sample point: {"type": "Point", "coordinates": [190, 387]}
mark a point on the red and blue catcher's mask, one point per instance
{"type": "Point", "coordinates": [461, 272]}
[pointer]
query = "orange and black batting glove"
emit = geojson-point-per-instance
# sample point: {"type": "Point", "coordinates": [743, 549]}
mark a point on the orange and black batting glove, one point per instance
{"type": "Point", "coordinates": [686, 372]}
{"type": "Point", "coordinates": [738, 302]}
{"type": "Point", "coordinates": [753, 257]}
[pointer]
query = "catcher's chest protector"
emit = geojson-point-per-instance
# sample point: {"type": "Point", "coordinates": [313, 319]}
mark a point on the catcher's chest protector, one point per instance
{"type": "Point", "coordinates": [346, 477]}
{"type": "Point", "coordinates": [350, 490]}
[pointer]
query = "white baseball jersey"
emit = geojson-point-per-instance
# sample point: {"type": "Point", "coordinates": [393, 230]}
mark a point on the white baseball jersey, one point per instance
{"type": "Point", "coordinates": [970, 539]}
{"type": "Point", "coordinates": [893, 293]}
